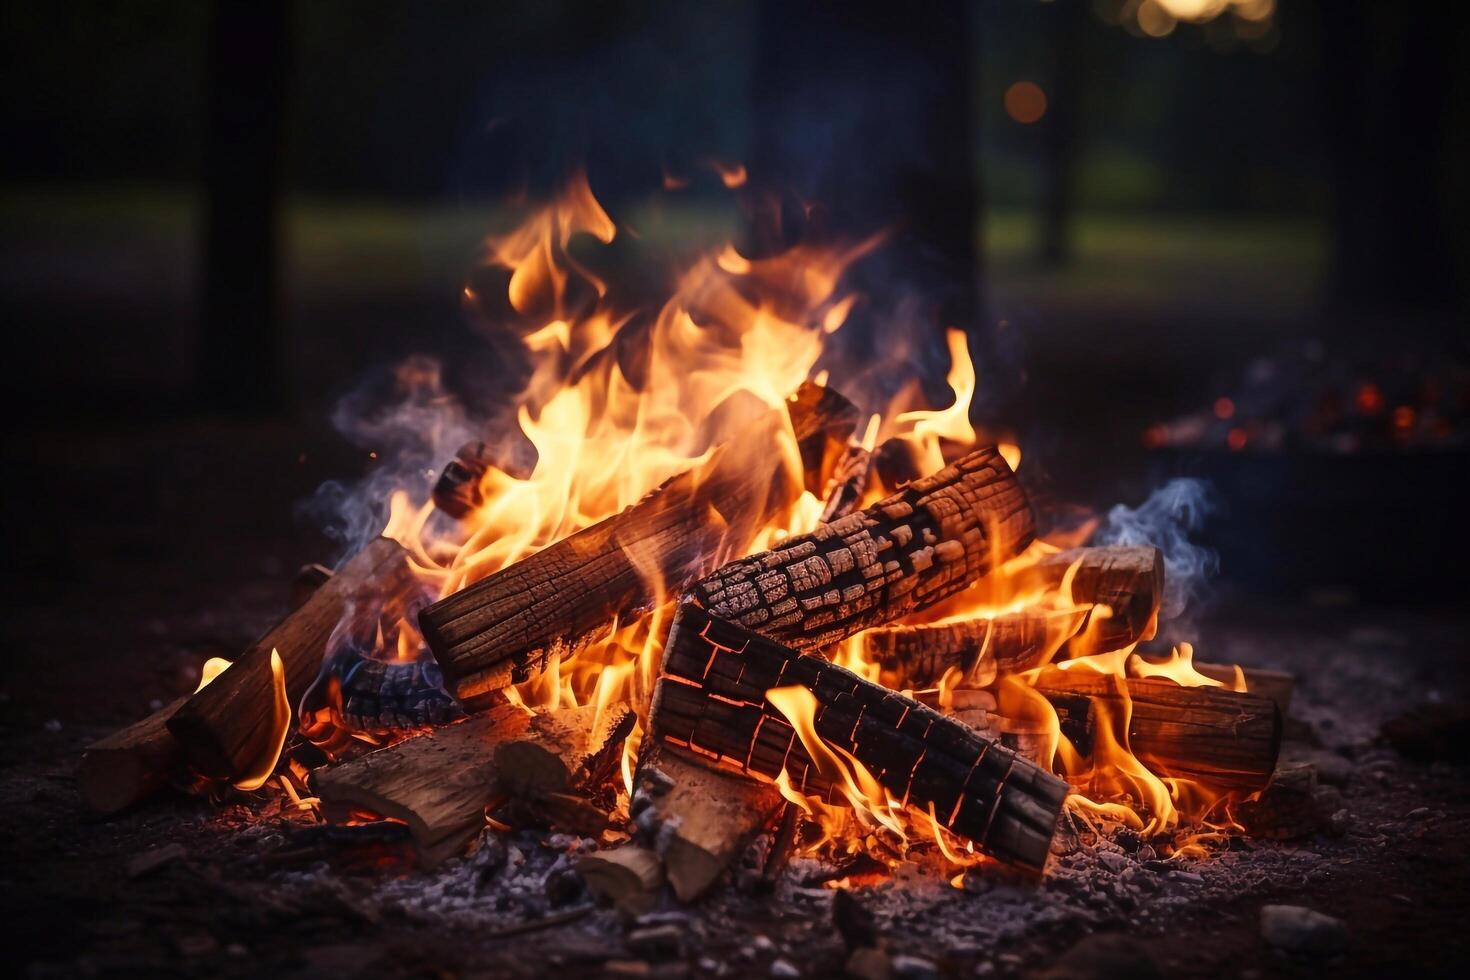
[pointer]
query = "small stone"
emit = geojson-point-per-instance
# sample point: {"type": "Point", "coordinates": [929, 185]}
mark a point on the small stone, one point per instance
{"type": "Point", "coordinates": [914, 968]}
{"type": "Point", "coordinates": [53, 726]}
{"type": "Point", "coordinates": [1419, 814]}
{"type": "Point", "coordinates": [1112, 860]}
{"type": "Point", "coordinates": [869, 963]}
{"type": "Point", "coordinates": [1186, 877]}
{"type": "Point", "coordinates": [783, 969]}
{"type": "Point", "coordinates": [662, 942]}
{"type": "Point", "coordinates": [1302, 930]}
{"type": "Point", "coordinates": [150, 861]}
{"type": "Point", "coordinates": [763, 944]}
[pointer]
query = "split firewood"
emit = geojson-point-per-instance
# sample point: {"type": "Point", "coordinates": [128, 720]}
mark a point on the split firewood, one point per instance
{"type": "Point", "coordinates": [980, 649]}
{"type": "Point", "coordinates": [926, 542]}
{"type": "Point", "coordinates": [628, 876]}
{"type": "Point", "coordinates": [707, 818]}
{"type": "Point", "coordinates": [711, 705]}
{"type": "Point", "coordinates": [441, 782]}
{"type": "Point", "coordinates": [130, 764]}
{"type": "Point", "coordinates": [502, 629]}
{"type": "Point", "coordinates": [1210, 734]}
{"type": "Point", "coordinates": [848, 483]}
{"type": "Point", "coordinates": [221, 729]}
{"type": "Point", "coordinates": [1028, 738]}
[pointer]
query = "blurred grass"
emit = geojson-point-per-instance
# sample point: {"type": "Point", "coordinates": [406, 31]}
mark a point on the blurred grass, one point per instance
{"type": "Point", "coordinates": [1260, 265]}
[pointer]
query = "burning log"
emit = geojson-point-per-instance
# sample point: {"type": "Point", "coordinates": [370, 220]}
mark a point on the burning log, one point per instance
{"type": "Point", "coordinates": [502, 629]}
{"type": "Point", "coordinates": [130, 764]}
{"type": "Point", "coordinates": [710, 817]}
{"type": "Point", "coordinates": [850, 475]}
{"type": "Point", "coordinates": [712, 704]}
{"type": "Point", "coordinates": [221, 729]}
{"type": "Point", "coordinates": [926, 542]}
{"type": "Point", "coordinates": [386, 696]}
{"type": "Point", "coordinates": [457, 492]}
{"type": "Point", "coordinates": [441, 782]}
{"type": "Point", "coordinates": [1129, 581]}
{"type": "Point", "coordinates": [1206, 733]}
{"type": "Point", "coordinates": [1278, 685]}
{"type": "Point", "coordinates": [980, 649]}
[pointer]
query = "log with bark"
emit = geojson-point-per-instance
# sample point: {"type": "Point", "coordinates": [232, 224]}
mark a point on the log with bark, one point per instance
{"type": "Point", "coordinates": [1211, 734]}
{"type": "Point", "coordinates": [221, 729]}
{"type": "Point", "coordinates": [1277, 685]}
{"type": "Point", "coordinates": [131, 764]}
{"type": "Point", "coordinates": [711, 705]}
{"type": "Point", "coordinates": [922, 544]}
{"type": "Point", "coordinates": [502, 629]}
{"type": "Point", "coordinates": [441, 782]}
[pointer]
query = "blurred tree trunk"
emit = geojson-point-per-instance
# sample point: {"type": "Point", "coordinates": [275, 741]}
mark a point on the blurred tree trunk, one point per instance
{"type": "Point", "coordinates": [1065, 21]}
{"type": "Point", "coordinates": [1388, 85]}
{"type": "Point", "coordinates": [869, 108]}
{"type": "Point", "coordinates": [241, 369]}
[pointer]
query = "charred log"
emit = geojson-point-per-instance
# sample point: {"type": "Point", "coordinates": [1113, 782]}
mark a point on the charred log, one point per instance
{"type": "Point", "coordinates": [980, 649]}
{"type": "Point", "coordinates": [711, 705]}
{"type": "Point", "coordinates": [848, 483]}
{"type": "Point", "coordinates": [926, 542]}
{"type": "Point", "coordinates": [502, 629]}
{"type": "Point", "coordinates": [1128, 581]}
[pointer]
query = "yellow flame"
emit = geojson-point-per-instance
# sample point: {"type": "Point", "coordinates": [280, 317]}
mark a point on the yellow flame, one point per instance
{"type": "Point", "coordinates": [258, 772]}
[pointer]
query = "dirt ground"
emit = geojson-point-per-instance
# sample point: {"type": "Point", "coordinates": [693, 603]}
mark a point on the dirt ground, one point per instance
{"type": "Point", "coordinates": [136, 555]}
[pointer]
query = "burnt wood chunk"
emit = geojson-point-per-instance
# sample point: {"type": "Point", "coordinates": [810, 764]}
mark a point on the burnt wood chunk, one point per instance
{"type": "Point", "coordinates": [848, 483]}
{"type": "Point", "coordinates": [1217, 736]}
{"type": "Point", "coordinates": [711, 706]}
{"type": "Point", "coordinates": [457, 492]}
{"type": "Point", "coordinates": [1128, 580]}
{"type": "Point", "coordinates": [221, 729]}
{"type": "Point", "coordinates": [980, 649]}
{"type": "Point", "coordinates": [926, 542]}
{"type": "Point", "coordinates": [502, 629]}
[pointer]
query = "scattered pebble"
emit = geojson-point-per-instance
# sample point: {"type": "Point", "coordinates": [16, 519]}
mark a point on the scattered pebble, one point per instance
{"type": "Point", "coordinates": [150, 861]}
{"type": "Point", "coordinates": [784, 969]}
{"type": "Point", "coordinates": [1302, 930]}
{"type": "Point", "coordinates": [914, 968]}
{"type": "Point", "coordinates": [53, 726]}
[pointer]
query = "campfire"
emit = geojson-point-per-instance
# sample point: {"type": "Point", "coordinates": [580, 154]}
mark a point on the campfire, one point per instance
{"type": "Point", "coordinates": [702, 586]}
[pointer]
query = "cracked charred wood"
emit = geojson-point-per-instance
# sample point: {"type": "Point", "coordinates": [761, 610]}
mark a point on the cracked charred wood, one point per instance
{"type": "Point", "coordinates": [980, 649]}
{"type": "Point", "coordinates": [221, 729]}
{"type": "Point", "coordinates": [922, 544]}
{"type": "Point", "coordinates": [441, 782]}
{"type": "Point", "coordinates": [381, 696]}
{"type": "Point", "coordinates": [848, 483]}
{"type": "Point", "coordinates": [502, 629]}
{"type": "Point", "coordinates": [1127, 580]}
{"type": "Point", "coordinates": [711, 704]}
{"type": "Point", "coordinates": [131, 764]}
{"type": "Point", "coordinates": [1278, 685]}
{"type": "Point", "coordinates": [1211, 734]}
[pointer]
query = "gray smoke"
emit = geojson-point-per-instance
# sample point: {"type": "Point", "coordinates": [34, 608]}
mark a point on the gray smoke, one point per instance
{"type": "Point", "coordinates": [1166, 520]}
{"type": "Point", "coordinates": [414, 426]}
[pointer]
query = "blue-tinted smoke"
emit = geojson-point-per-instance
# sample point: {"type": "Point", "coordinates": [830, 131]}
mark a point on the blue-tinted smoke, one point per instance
{"type": "Point", "coordinates": [1166, 520]}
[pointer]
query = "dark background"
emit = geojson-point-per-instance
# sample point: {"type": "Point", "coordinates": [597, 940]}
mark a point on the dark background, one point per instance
{"type": "Point", "coordinates": [218, 218]}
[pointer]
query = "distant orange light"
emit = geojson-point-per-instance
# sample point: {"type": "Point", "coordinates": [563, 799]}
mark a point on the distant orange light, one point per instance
{"type": "Point", "coordinates": [1370, 399]}
{"type": "Point", "coordinates": [1403, 417]}
{"type": "Point", "coordinates": [1155, 436]}
{"type": "Point", "coordinates": [1025, 102]}
{"type": "Point", "coordinates": [1236, 440]}
{"type": "Point", "coordinates": [1224, 408]}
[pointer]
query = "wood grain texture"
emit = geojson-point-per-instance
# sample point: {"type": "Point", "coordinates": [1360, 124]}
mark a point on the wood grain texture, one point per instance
{"type": "Point", "coordinates": [711, 705]}
{"type": "Point", "coordinates": [1220, 737]}
{"type": "Point", "coordinates": [1128, 580]}
{"type": "Point", "coordinates": [922, 544]}
{"type": "Point", "coordinates": [502, 629]}
{"type": "Point", "coordinates": [980, 649]}
{"type": "Point", "coordinates": [440, 782]}
{"type": "Point", "coordinates": [130, 764]}
{"type": "Point", "coordinates": [221, 729]}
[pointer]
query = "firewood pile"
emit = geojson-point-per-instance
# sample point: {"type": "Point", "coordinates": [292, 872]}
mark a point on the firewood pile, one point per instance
{"type": "Point", "coordinates": [922, 656]}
